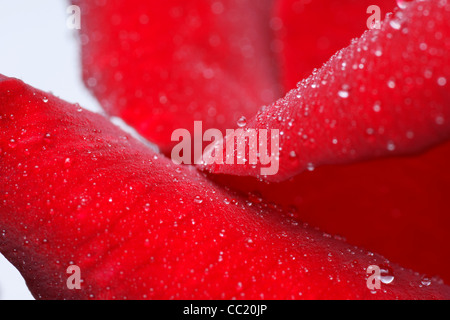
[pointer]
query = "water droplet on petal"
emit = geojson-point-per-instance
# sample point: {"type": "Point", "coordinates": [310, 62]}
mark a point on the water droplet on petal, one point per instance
{"type": "Point", "coordinates": [343, 94]}
{"type": "Point", "coordinates": [67, 162]}
{"type": "Point", "coordinates": [391, 146]}
{"type": "Point", "coordinates": [379, 52]}
{"type": "Point", "coordinates": [377, 107]}
{"type": "Point", "coordinates": [386, 275]}
{"type": "Point", "coordinates": [249, 243]}
{"type": "Point", "coordinates": [426, 281]}
{"type": "Point", "coordinates": [403, 4]}
{"type": "Point", "coordinates": [47, 138]}
{"type": "Point", "coordinates": [242, 122]}
{"type": "Point", "coordinates": [198, 199]}
{"type": "Point", "coordinates": [428, 74]}
{"type": "Point", "coordinates": [391, 84]}
{"type": "Point", "coordinates": [423, 46]}
{"type": "Point", "coordinates": [12, 144]}
{"type": "Point", "coordinates": [91, 82]}
{"type": "Point", "coordinates": [442, 81]}
{"type": "Point", "coordinates": [395, 24]}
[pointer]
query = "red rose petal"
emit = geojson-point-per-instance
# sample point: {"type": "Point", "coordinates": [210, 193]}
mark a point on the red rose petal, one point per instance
{"type": "Point", "coordinates": [395, 206]}
{"type": "Point", "coordinates": [310, 32]}
{"type": "Point", "coordinates": [161, 65]}
{"type": "Point", "coordinates": [76, 190]}
{"type": "Point", "coordinates": [386, 94]}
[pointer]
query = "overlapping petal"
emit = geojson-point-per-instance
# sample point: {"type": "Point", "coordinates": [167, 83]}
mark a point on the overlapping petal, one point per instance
{"type": "Point", "coordinates": [160, 65]}
{"type": "Point", "coordinates": [386, 94]}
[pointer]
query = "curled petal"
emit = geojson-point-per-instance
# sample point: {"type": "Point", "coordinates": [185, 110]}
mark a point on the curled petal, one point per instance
{"type": "Point", "coordinates": [160, 65]}
{"type": "Point", "coordinates": [386, 94]}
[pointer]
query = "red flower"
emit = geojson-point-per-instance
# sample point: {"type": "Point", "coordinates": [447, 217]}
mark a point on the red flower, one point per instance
{"type": "Point", "coordinates": [76, 190]}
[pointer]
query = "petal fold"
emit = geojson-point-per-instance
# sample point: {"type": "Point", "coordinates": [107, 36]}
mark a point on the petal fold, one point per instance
{"type": "Point", "coordinates": [386, 94]}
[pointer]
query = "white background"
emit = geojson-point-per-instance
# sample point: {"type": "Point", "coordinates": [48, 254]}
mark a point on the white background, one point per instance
{"type": "Point", "coordinates": [37, 47]}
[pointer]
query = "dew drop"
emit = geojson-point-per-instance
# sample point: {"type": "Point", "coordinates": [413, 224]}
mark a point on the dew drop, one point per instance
{"type": "Point", "coordinates": [198, 199]}
{"type": "Point", "coordinates": [378, 52]}
{"type": "Point", "coordinates": [386, 275]}
{"type": "Point", "coordinates": [377, 107]}
{"type": "Point", "coordinates": [442, 81]}
{"type": "Point", "coordinates": [391, 146]}
{"type": "Point", "coordinates": [45, 99]}
{"type": "Point", "coordinates": [91, 82]}
{"type": "Point", "coordinates": [343, 94]}
{"type": "Point", "coordinates": [242, 122]}
{"type": "Point", "coordinates": [403, 4]}
{"type": "Point", "coordinates": [395, 24]}
{"type": "Point", "coordinates": [12, 144]}
{"type": "Point", "coordinates": [249, 243]}
{"type": "Point", "coordinates": [310, 167]}
{"type": "Point", "coordinates": [391, 84]}
{"type": "Point", "coordinates": [428, 74]}
{"type": "Point", "coordinates": [67, 162]}
{"type": "Point", "coordinates": [426, 281]}
{"type": "Point", "coordinates": [47, 138]}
